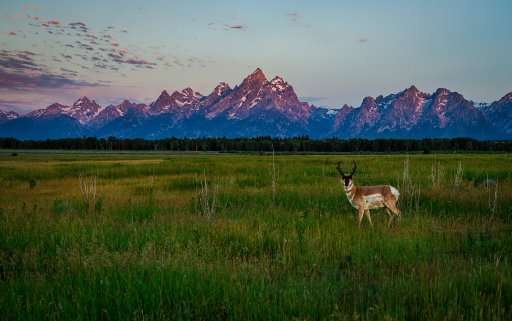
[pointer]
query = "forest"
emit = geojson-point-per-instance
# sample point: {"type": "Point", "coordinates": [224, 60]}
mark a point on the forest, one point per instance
{"type": "Point", "coordinates": [301, 144]}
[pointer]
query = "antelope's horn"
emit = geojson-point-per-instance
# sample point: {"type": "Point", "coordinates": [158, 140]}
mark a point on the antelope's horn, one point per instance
{"type": "Point", "coordinates": [339, 169]}
{"type": "Point", "coordinates": [353, 168]}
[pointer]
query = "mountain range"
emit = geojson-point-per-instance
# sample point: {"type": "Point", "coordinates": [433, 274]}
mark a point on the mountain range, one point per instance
{"type": "Point", "coordinates": [261, 107]}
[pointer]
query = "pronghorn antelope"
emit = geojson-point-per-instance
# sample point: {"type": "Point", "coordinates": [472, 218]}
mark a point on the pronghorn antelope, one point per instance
{"type": "Point", "coordinates": [365, 198]}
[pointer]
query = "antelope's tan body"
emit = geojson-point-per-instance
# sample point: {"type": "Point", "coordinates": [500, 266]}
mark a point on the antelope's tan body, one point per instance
{"type": "Point", "coordinates": [365, 198]}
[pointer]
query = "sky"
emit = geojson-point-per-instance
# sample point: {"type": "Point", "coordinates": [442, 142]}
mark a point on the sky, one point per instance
{"type": "Point", "coordinates": [332, 52]}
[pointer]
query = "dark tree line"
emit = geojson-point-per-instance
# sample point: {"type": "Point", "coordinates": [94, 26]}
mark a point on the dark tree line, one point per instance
{"type": "Point", "coordinates": [263, 144]}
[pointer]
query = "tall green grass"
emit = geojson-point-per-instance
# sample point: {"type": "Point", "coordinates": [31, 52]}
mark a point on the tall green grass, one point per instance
{"type": "Point", "coordinates": [148, 252]}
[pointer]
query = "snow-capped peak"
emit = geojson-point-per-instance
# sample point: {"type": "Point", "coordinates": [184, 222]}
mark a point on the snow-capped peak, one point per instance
{"type": "Point", "coordinates": [277, 80]}
{"type": "Point", "coordinates": [442, 91]}
{"type": "Point", "coordinates": [81, 100]}
{"type": "Point", "coordinates": [84, 110]}
{"type": "Point", "coordinates": [279, 83]}
{"type": "Point", "coordinates": [256, 75]}
{"type": "Point", "coordinates": [7, 115]}
{"type": "Point", "coordinates": [222, 87]}
{"type": "Point", "coordinates": [188, 92]}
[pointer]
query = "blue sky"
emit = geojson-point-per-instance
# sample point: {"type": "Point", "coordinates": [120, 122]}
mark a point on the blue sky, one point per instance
{"type": "Point", "coordinates": [332, 52]}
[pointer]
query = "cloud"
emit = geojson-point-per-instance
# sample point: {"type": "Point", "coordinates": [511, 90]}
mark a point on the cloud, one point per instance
{"type": "Point", "coordinates": [294, 16]}
{"type": "Point", "coordinates": [69, 72]}
{"type": "Point", "coordinates": [35, 8]}
{"type": "Point", "coordinates": [20, 71]}
{"type": "Point", "coordinates": [225, 26]}
{"type": "Point", "coordinates": [115, 56]}
{"type": "Point", "coordinates": [362, 40]}
{"type": "Point", "coordinates": [84, 46]}
{"type": "Point", "coordinates": [17, 60]}
{"type": "Point", "coordinates": [12, 33]}
{"type": "Point", "coordinates": [79, 25]}
{"type": "Point", "coordinates": [235, 26]}
{"type": "Point", "coordinates": [91, 50]}
{"type": "Point", "coordinates": [26, 7]}
{"type": "Point", "coordinates": [138, 62]}
{"type": "Point", "coordinates": [43, 80]}
{"type": "Point", "coordinates": [20, 15]}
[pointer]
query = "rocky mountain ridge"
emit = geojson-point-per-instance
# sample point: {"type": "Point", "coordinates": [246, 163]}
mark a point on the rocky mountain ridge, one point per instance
{"type": "Point", "coordinates": [259, 107]}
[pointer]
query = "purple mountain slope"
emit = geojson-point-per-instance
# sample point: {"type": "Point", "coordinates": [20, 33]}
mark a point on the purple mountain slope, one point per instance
{"type": "Point", "coordinates": [258, 106]}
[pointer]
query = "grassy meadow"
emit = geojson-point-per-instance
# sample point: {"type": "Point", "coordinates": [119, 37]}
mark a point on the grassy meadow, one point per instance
{"type": "Point", "coordinates": [168, 236]}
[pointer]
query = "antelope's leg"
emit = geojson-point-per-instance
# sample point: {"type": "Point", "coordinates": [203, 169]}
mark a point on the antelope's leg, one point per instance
{"type": "Point", "coordinates": [392, 206]}
{"type": "Point", "coordinates": [391, 216]}
{"type": "Point", "coordinates": [367, 212]}
{"type": "Point", "coordinates": [361, 210]}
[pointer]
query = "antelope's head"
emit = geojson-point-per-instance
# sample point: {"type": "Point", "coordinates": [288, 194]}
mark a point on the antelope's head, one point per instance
{"type": "Point", "coordinates": [346, 178]}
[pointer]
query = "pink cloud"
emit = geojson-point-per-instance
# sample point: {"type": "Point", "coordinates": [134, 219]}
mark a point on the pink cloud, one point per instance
{"type": "Point", "coordinates": [26, 7]}
{"type": "Point", "coordinates": [20, 15]}
{"type": "Point", "coordinates": [115, 43]}
{"type": "Point", "coordinates": [54, 22]}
